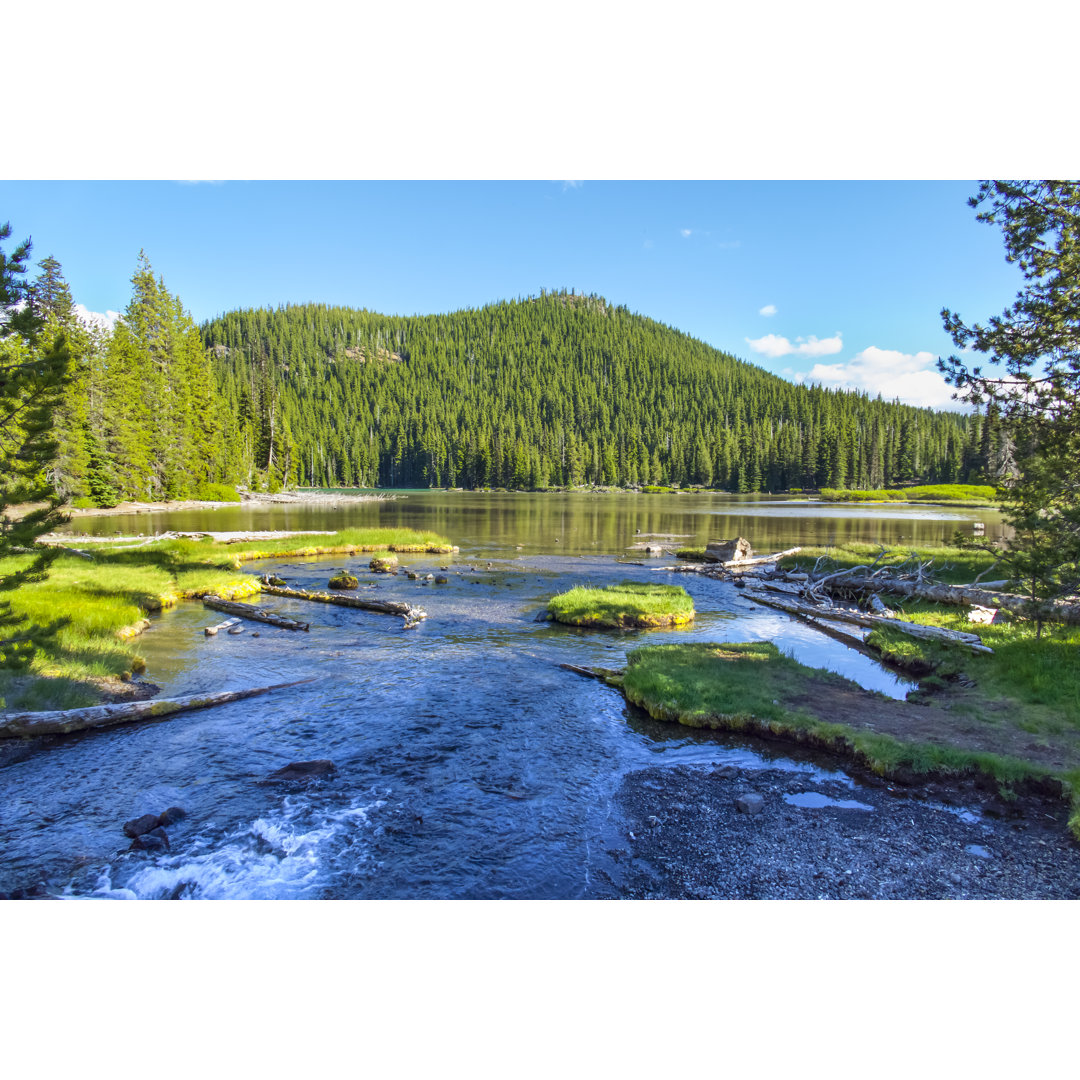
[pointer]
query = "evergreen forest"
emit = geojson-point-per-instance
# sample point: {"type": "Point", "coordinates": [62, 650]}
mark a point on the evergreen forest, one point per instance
{"type": "Point", "coordinates": [549, 391]}
{"type": "Point", "coordinates": [557, 390]}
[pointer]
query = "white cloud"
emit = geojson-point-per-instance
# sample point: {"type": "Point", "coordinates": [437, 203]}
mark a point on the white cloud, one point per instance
{"type": "Point", "coordinates": [199, 181]}
{"type": "Point", "coordinates": [685, 232]}
{"type": "Point", "coordinates": [773, 346]}
{"type": "Point", "coordinates": [768, 309]}
{"type": "Point", "coordinates": [571, 185]}
{"type": "Point", "coordinates": [910, 377]}
{"type": "Point", "coordinates": [95, 318]}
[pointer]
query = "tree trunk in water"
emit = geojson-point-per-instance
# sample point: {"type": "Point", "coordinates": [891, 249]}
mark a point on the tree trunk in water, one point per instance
{"type": "Point", "coordinates": [250, 611]}
{"type": "Point", "coordinates": [65, 721]}
{"type": "Point", "coordinates": [929, 633]}
{"type": "Point", "coordinates": [410, 614]}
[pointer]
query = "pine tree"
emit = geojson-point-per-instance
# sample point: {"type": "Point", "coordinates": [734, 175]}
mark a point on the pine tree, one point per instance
{"type": "Point", "coordinates": [33, 371]}
{"type": "Point", "coordinates": [1037, 343]}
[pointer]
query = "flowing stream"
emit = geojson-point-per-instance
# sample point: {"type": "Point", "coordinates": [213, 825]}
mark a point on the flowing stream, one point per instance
{"type": "Point", "coordinates": [468, 764]}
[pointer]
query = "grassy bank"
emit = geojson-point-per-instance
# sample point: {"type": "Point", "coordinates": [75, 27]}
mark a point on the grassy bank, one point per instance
{"type": "Point", "coordinates": [627, 605]}
{"type": "Point", "coordinates": [752, 687]}
{"type": "Point", "coordinates": [970, 494]}
{"type": "Point", "coordinates": [103, 603]}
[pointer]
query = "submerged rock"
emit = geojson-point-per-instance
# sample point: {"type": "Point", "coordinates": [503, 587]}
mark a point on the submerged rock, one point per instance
{"type": "Point", "coordinates": [157, 840]}
{"type": "Point", "coordinates": [305, 770]}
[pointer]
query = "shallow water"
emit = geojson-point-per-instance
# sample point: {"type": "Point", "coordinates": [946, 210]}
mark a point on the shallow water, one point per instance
{"type": "Point", "coordinates": [468, 763]}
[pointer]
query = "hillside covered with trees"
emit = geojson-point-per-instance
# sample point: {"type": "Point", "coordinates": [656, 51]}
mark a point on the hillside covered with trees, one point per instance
{"type": "Point", "coordinates": [560, 389]}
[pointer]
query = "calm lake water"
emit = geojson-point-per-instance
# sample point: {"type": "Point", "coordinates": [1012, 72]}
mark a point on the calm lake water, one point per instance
{"type": "Point", "coordinates": [469, 764]}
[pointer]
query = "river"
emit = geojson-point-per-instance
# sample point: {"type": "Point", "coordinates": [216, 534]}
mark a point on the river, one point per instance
{"type": "Point", "coordinates": [469, 765]}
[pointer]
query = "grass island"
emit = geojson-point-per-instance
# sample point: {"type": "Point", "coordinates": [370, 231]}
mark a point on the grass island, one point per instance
{"type": "Point", "coordinates": [628, 605]}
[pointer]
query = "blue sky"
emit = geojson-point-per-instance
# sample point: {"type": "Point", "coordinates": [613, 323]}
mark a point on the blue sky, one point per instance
{"type": "Point", "coordinates": [838, 282]}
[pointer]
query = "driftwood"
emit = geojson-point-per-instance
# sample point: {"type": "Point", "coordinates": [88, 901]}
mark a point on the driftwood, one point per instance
{"type": "Point", "coordinates": [603, 674]}
{"type": "Point", "coordinates": [250, 611]}
{"type": "Point", "coordinates": [736, 565]}
{"type": "Point", "coordinates": [65, 721]}
{"type": "Point", "coordinates": [411, 615]}
{"type": "Point", "coordinates": [1060, 611]}
{"type": "Point", "coordinates": [211, 631]}
{"type": "Point", "coordinates": [929, 633]}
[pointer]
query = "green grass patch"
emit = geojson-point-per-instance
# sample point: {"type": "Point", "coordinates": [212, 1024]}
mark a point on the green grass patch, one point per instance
{"type": "Point", "coordinates": [752, 687]}
{"type": "Point", "coordinates": [972, 494]}
{"type": "Point", "coordinates": [102, 602]}
{"type": "Point", "coordinates": [626, 605]}
{"type": "Point", "coordinates": [694, 554]}
{"type": "Point", "coordinates": [345, 542]}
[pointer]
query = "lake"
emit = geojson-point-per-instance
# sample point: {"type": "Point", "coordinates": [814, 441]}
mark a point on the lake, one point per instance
{"type": "Point", "coordinates": [469, 765]}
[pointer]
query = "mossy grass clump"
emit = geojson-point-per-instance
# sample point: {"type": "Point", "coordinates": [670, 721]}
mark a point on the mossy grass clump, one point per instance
{"type": "Point", "coordinates": [343, 580]}
{"type": "Point", "coordinates": [630, 604]}
{"type": "Point", "coordinates": [694, 554]}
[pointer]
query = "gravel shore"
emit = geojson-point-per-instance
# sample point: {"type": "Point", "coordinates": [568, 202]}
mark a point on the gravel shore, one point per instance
{"type": "Point", "coordinates": [693, 832]}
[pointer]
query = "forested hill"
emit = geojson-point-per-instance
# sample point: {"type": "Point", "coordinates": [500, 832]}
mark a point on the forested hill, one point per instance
{"type": "Point", "coordinates": [560, 389]}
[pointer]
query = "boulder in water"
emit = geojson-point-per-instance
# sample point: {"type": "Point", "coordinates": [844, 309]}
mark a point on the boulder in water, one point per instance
{"type": "Point", "coordinates": [343, 580]}
{"type": "Point", "coordinates": [728, 550]}
{"type": "Point", "coordinates": [140, 825]}
{"type": "Point", "coordinates": [155, 840]}
{"type": "Point", "coordinates": [171, 816]}
{"type": "Point", "coordinates": [384, 564]}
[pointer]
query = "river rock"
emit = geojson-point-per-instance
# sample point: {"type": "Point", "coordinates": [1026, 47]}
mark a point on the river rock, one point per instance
{"type": "Point", "coordinates": [386, 564]}
{"type": "Point", "coordinates": [305, 770]}
{"type": "Point", "coordinates": [140, 825]}
{"type": "Point", "coordinates": [151, 841]}
{"type": "Point", "coordinates": [750, 804]}
{"type": "Point", "coordinates": [171, 816]}
{"type": "Point", "coordinates": [441, 580]}
{"type": "Point", "coordinates": [343, 580]}
{"type": "Point", "coordinates": [728, 550]}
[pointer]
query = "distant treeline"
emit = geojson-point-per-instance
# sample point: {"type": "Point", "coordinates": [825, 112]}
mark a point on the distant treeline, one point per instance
{"type": "Point", "coordinates": [550, 391]}
{"type": "Point", "coordinates": [555, 390]}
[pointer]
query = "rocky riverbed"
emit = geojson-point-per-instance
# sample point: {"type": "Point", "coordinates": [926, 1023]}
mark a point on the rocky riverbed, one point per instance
{"type": "Point", "coordinates": [692, 832]}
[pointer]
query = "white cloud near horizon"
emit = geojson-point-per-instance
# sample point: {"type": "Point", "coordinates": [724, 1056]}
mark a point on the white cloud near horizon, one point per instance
{"type": "Point", "coordinates": [910, 377]}
{"type": "Point", "coordinates": [571, 185]}
{"type": "Point", "coordinates": [106, 321]}
{"type": "Point", "coordinates": [768, 309]}
{"type": "Point", "coordinates": [774, 346]}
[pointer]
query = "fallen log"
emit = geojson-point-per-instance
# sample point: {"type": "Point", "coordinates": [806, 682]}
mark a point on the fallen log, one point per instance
{"type": "Point", "coordinates": [929, 633]}
{"type": "Point", "coordinates": [411, 615]}
{"type": "Point", "coordinates": [250, 611]}
{"type": "Point", "coordinates": [759, 560]}
{"type": "Point", "coordinates": [735, 565]}
{"type": "Point", "coordinates": [602, 674]}
{"type": "Point", "coordinates": [211, 631]}
{"type": "Point", "coordinates": [65, 721]}
{"type": "Point", "coordinates": [1060, 611]}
